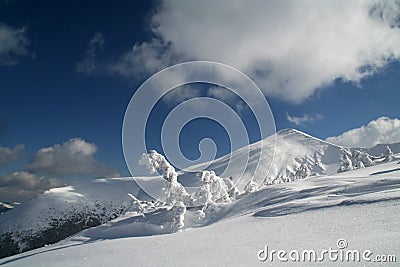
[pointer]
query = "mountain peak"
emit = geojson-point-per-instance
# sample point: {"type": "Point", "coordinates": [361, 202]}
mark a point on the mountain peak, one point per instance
{"type": "Point", "coordinates": [290, 131]}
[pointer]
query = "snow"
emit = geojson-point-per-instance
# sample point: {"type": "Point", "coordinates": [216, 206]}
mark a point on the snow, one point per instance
{"type": "Point", "coordinates": [360, 205]}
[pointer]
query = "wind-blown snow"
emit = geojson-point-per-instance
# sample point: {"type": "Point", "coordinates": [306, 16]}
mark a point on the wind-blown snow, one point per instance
{"type": "Point", "coordinates": [313, 213]}
{"type": "Point", "coordinates": [360, 206]}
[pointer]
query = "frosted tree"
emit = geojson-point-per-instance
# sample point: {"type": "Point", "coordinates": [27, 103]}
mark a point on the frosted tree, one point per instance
{"type": "Point", "coordinates": [174, 191]}
{"type": "Point", "coordinates": [359, 165]}
{"type": "Point", "coordinates": [366, 159]}
{"type": "Point", "coordinates": [214, 188]}
{"type": "Point", "coordinates": [388, 154]}
{"type": "Point", "coordinates": [345, 162]}
{"type": "Point", "coordinates": [251, 186]}
{"type": "Point", "coordinates": [303, 171]}
{"type": "Point", "coordinates": [204, 195]}
{"type": "Point", "coordinates": [137, 204]}
{"type": "Point", "coordinates": [233, 192]}
{"type": "Point", "coordinates": [357, 158]}
{"type": "Point", "coordinates": [362, 159]}
{"type": "Point", "coordinates": [178, 211]}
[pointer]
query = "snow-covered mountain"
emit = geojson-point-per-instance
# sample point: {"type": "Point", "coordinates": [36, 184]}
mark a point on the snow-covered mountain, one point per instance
{"type": "Point", "coordinates": [359, 208]}
{"type": "Point", "coordinates": [62, 212]}
{"type": "Point", "coordinates": [278, 157]}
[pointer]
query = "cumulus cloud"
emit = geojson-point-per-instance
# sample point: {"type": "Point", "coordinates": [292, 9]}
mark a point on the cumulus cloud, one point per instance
{"type": "Point", "coordinates": [181, 93]}
{"type": "Point", "coordinates": [290, 48]}
{"type": "Point", "coordinates": [304, 119]}
{"type": "Point", "coordinates": [380, 131]}
{"type": "Point", "coordinates": [227, 97]}
{"type": "Point", "coordinates": [221, 94]}
{"type": "Point", "coordinates": [21, 186]}
{"type": "Point", "coordinates": [8, 155]}
{"type": "Point", "coordinates": [89, 63]}
{"type": "Point", "coordinates": [73, 157]}
{"type": "Point", "coordinates": [13, 44]}
{"type": "Point", "coordinates": [144, 59]}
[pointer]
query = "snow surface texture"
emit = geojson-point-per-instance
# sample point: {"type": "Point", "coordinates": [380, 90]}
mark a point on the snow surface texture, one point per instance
{"type": "Point", "coordinates": [303, 214]}
{"type": "Point", "coordinates": [360, 206]}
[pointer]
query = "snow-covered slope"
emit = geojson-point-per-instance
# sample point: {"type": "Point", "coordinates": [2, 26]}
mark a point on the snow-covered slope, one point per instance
{"type": "Point", "coordinates": [359, 208]}
{"type": "Point", "coordinates": [380, 149]}
{"type": "Point", "coordinates": [62, 212]}
{"type": "Point", "coordinates": [276, 157]}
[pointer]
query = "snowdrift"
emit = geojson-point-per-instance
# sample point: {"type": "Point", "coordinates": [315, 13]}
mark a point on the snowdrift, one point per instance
{"type": "Point", "coordinates": [63, 212]}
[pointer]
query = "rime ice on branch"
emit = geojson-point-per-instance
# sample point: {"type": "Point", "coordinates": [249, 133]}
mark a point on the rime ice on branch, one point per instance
{"type": "Point", "coordinates": [345, 161]}
{"type": "Point", "coordinates": [388, 154]}
{"type": "Point", "coordinates": [174, 191]}
{"type": "Point", "coordinates": [214, 188]}
{"type": "Point", "coordinates": [251, 186]}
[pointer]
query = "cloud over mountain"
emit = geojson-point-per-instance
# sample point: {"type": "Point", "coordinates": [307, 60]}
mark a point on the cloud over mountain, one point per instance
{"type": "Point", "coordinates": [76, 156]}
{"type": "Point", "coordinates": [290, 48]}
{"type": "Point", "coordinates": [380, 131]}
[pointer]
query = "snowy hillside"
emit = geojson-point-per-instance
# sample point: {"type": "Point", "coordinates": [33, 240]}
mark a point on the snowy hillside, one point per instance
{"type": "Point", "coordinates": [62, 212]}
{"type": "Point", "coordinates": [358, 208]}
{"type": "Point", "coordinates": [279, 157]}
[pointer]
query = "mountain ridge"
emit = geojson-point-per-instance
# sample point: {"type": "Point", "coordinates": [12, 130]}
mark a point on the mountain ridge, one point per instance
{"type": "Point", "coordinates": [49, 217]}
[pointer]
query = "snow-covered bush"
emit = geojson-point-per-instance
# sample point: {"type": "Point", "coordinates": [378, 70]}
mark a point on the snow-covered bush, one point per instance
{"type": "Point", "coordinates": [388, 154]}
{"type": "Point", "coordinates": [155, 161]}
{"type": "Point", "coordinates": [174, 191]}
{"type": "Point", "coordinates": [251, 186]}
{"type": "Point", "coordinates": [233, 192]}
{"type": "Point", "coordinates": [345, 161]}
{"type": "Point", "coordinates": [137, 205]}
{"type": "Point", "coordinates": [213, 189]}
{"type": "Point", "coordinates": [303, 171]}
{"type": "Point", "coordinates": [179, 215]}
{"type": "Point", "coordinates": [361, 159]}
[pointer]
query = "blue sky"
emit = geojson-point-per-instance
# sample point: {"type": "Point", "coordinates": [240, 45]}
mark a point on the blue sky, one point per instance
{"type": "Point", "coordinates": [68, 70]}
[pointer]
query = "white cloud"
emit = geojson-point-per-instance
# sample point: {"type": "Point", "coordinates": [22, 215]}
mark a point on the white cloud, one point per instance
{"type": "Point", "coordinates": [21, 186]}
{"type": "Point", "coordinates": [89, 64]}
{"type": "Point", "coordinates": [181, 93]}
{"type": "Point", "coordinates": [8, 155]}
{"type": "Point", "coordinates": [380, 131]}
{"type": "Point", "coordinates": [291, 48]}
{"type": "Point", "coordinates": [143, 59]}
{"type": "Point", "coordinates": [304, 119]}
{"type": "Point", "coordinates": [75, 156]}
{"type": "Point", "coordinates": [13, 44]}
{"type": "Point", "coordinates": [227, 97]}
{"type": "Point", "coordinates": [221, 94]}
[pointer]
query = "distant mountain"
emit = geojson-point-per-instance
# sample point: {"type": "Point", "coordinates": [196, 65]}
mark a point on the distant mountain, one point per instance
{"type": "Point", "coordinates": [62, 212]}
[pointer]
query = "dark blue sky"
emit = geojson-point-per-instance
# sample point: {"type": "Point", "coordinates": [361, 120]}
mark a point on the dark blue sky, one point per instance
{"type": "Point", "coordinates": [46, 101]}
